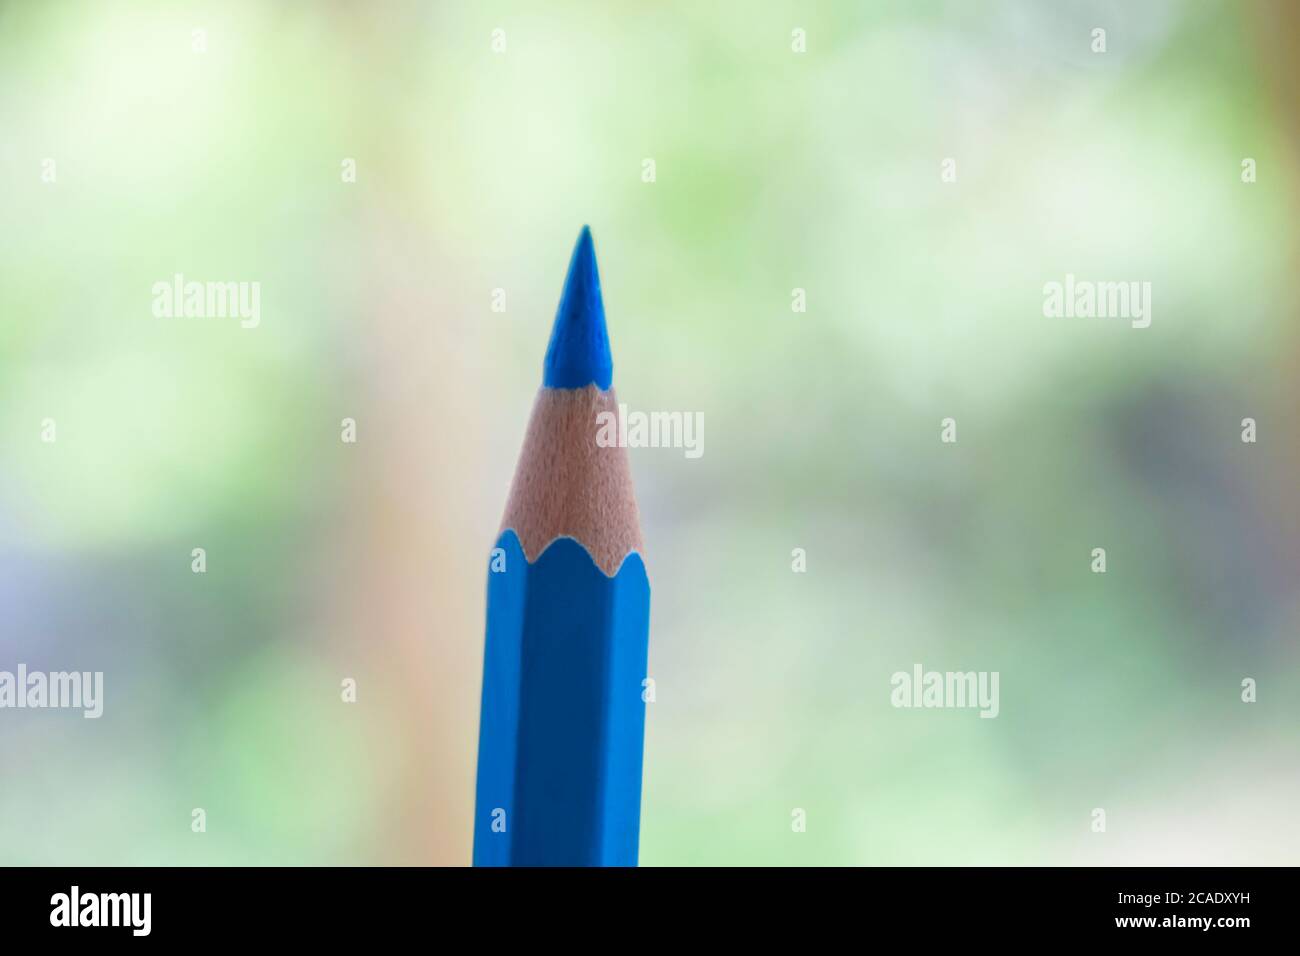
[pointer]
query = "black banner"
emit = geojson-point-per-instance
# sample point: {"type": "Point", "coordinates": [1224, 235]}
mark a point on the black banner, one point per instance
{"type": "Point", "coordinates": [371, 905]}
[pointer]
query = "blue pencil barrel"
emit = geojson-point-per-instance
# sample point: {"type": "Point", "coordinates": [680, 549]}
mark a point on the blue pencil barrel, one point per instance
{"type": "Point", "coordinates": [563, 718]}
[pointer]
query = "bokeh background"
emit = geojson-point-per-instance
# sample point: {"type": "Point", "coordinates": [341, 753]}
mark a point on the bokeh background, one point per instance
{"type": "Point", "coordinates": [774, 170]}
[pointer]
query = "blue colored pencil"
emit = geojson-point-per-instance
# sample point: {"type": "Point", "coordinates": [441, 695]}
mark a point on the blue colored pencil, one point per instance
{"type": "Point", "coordinates": [568, 620]}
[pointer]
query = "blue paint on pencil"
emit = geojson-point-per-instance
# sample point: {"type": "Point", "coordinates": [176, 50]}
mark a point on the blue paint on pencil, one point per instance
{"type": "Point", "coordinates": [563, 716]}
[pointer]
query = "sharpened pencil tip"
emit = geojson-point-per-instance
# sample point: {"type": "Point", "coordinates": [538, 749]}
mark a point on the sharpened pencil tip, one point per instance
{"type": "Point", "coordinates": [578, 353]}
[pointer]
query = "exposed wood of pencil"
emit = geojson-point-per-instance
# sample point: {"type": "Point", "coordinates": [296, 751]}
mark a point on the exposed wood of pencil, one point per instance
{"type": "Point", "coordinates": [567, 485]}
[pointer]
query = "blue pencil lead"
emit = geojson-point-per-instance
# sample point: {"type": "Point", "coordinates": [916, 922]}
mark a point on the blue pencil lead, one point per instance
{"type": "Point", "coordinates": [578, 353]}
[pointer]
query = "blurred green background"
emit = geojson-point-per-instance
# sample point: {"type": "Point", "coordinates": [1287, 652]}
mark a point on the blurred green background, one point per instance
{"type": "Point", "coordinates": [219, 154]}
